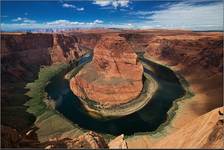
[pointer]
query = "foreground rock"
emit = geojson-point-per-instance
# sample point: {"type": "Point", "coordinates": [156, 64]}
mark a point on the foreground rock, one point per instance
{"type": "Point", "coordinates": [118, 143]}
{"type": "Point", "coordinates": [113, 77]}
{"type": "Point", "coordinates": [11, 138]}
{"type": "Point", "coordinates": [90, 140]}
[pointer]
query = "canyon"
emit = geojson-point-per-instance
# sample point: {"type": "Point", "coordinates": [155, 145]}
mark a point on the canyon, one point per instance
{"type": "Point", "coordinates": [196, 56]}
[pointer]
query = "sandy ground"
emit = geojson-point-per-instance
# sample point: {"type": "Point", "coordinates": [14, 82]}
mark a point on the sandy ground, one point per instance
{"type": "Point", "coordinates": [208, 95]}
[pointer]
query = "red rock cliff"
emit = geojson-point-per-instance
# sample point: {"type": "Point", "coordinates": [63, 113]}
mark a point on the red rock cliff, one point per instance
{"type": "Point", "coordinates": [113, 77]}
{"type": "Point", "coordinates": [22, 54]}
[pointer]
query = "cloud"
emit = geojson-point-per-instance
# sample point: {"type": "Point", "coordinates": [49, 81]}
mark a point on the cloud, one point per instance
{"type": "Point", "coordinates": [102, 3]}
{"type": "Point", "coordinates": [120, 25]}
{"type": "Point", "coordinates": [17, 19]}
{"type": "Point", "coordinates": [67, 23]}
{"type": "Point", "coordinates": [24, 20]}
{"type": "Point", "coordinates": [98, 21]}
{"type": "Point", "coordinates": [181, 15]}
{"type": "Point", "coordinates": [114, 3]}
{"type": "Point", "coordinates": [142, 13]}
{"type": "Point", "coordinates": [29, 21]}
{"type": "Point", "coordinates": [80, 9]}
{"type": "Point", "coordinates": [62, 24]}
{"type": "Point", "coordinates": [186, 16]}
{"type": "Point", "coordinates": [66, 5]}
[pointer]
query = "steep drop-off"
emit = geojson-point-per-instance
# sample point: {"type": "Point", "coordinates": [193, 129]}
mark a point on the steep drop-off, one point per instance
{"type": "Point", "coordinates": [22, 55]}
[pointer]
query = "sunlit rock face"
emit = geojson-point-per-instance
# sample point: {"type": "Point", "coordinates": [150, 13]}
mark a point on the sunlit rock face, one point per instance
{"type": "Point", "coordinates": [113, 77]}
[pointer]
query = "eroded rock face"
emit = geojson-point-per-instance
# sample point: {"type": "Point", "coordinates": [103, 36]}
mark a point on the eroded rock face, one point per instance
{"type": "Point", "coordinates": [195, 52]}
{"type": "Point", "coordinates": [113, 77]}
{"type": "Point", "coordinates": [89, 140]}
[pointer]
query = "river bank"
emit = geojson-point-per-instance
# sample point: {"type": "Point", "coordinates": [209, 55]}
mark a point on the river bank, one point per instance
{"type": "Point", "coordinates": [197, 102]}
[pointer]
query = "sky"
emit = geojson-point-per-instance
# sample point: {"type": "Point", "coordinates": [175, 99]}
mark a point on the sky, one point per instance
{"type": "Point", "coordinates": [147, 14]}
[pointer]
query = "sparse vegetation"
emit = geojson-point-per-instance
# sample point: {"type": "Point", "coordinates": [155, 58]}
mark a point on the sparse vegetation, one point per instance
{"type": "Point", "coordinates": [37, 88]}
{"type": "Point", "coordinates": [49, 121]}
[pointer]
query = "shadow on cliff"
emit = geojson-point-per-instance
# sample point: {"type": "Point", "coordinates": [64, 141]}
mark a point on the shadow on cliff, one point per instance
{"type": "Point", "coordinates": [15, 74]}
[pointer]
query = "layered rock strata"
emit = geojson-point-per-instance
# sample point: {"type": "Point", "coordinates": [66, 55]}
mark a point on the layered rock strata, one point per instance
{"type": "Point", "coordinates": [113, 77]}
{"type": "Point", "coordinates": [89, 140]}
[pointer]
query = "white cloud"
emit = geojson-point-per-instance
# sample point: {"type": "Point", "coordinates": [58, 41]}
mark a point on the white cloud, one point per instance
{"type": "Point", "coordinates": [98, 21]}
{"type": "Point", "coordinates": [185, 16]}
{"type": "Point", "coordinates": [66, 5]}
{"type": "Point", "coordinates": [24, 20]}
{"type": "Point", "coordinates": [180, 15]}
{"type": "Point", "coordinates": [102, 2]}
{"type": "Point", "coordinates": [114, 3]}
{"type": "Point", "coordinates": [67, 22]}
{"type": "Point", "coordinates": [51, 24]}
{"type": "Point", "coordinates": [141, 13]}
{"type": "Point", "coordinates": [60, 22]}
{"type": "Point", "coordinates": [29, 21]}
{"type": "Point", "coordinates": [120, 25]}
{"type": "Point", "coordinates": [80, 9]}
{"type": "Point", "coordinates": [17, 19]}
{"type": "Point", "coordinates": [122, 3]}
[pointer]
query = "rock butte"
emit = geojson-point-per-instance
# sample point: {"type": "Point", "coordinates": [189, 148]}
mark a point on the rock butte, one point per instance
{"type": "Point", "coordinates": [113, 77]}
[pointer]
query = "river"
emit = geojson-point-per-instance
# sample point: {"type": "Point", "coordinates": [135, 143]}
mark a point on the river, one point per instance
{"type": "Point", "coordinates": [148, 119]}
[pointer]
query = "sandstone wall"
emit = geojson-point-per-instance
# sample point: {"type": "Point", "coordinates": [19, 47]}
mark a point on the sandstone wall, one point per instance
{"type": "Point", "coordinates": [24, 53]}
{"type": "Point", "coordinates": [193, 52]}
{"type": "Point", "coordinates": [29, 48]}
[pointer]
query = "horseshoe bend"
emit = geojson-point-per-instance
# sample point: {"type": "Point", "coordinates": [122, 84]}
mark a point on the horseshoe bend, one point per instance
{"type": "Point", "coordinates": [113, 74]}
{"type": "Point", "coordinates": [113, 77]}
{"type": "Point", "coordinates": [101, 82]}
